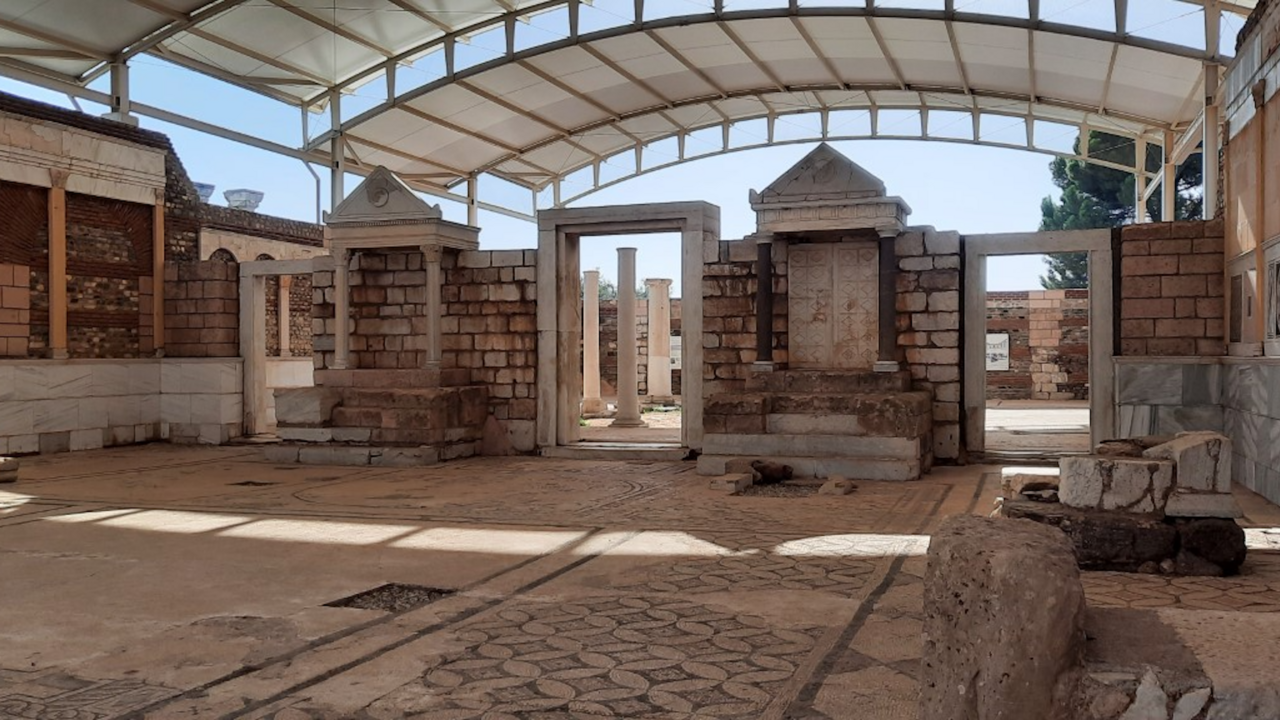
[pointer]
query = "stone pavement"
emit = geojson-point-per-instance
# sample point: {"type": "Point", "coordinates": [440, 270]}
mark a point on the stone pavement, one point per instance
{"type": "Point", "coordinates": [175, 582]}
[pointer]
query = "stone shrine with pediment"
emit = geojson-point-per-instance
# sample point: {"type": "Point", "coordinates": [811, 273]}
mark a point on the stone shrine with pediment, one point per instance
{"type": "Point", "coordinates": [840, 403]}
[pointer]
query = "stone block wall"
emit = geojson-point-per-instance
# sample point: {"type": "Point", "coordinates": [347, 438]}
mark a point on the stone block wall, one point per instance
{"type": "Point", "coordinates": [609, 346]}
{"type": "Point", "coordinates": [1048, 344]}
{"type": "Point", "coordinates": [488, 326]}
{"type": "Point", "coordinates": [299, 316]}
{"type": "Point", "coordinates": [729, 315]}
{"type": "Point", "coordinates": [202, 309]}
{"type": "Point", "coordinates": [1171, 289]}
{"type": "Point", "coordinates": [929, 315]}
{"type": "Point", "coordinates": [15, 309]}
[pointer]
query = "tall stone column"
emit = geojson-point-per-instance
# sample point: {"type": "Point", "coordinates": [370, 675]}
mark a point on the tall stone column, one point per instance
{"type": "Point", "coordinates": [58, 266]}
{"type": "Point", "coordinates": [341, 309]}
{"type": "Point", "coordinates": [887, 317]}
{"type": "Point", "coordinates": [628, 384]}
{"type": "Point", "coordinates": [592, 403]}
{"type": "Point", "coordinates": [282, 313]}
{"type": "Point", "coordinates": [764, 302]}
{"type": "Point", "coordinates": [431, 263]}
{"type": "Point", "coordinates": [659, 340]}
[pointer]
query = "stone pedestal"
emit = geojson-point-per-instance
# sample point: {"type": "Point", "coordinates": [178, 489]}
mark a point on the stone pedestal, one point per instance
{"type": "Point", "coordinates": [592, 403]}
{"type": "Point", "coordinates": [659, 370]}
{"type": "Point", "coordinates": [628, 384]}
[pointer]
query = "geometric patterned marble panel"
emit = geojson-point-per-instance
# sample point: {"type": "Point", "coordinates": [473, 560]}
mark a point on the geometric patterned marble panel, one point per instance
{"type": "Point", "coordinates": [833, 295]}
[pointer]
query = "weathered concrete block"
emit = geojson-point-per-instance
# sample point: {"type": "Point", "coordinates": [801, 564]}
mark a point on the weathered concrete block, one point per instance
{"type": "Point", "coordinates": [1115, 483]}
{"type": "Point", "coordinates": [1202, 459]}
{"type": "Point", "coordinates": [305, 406]}
{"type": "Point", "coordinates": [1004, 622]}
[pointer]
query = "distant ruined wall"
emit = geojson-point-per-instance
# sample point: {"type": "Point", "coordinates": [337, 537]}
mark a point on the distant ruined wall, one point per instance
{"type": "Point", "coordinates": [1048, 344]}
{"type": "Point", "coordinates": [609, 346]}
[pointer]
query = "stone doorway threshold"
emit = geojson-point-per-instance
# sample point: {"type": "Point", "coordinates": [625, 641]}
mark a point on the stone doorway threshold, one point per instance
{"type": "Point", "coordinates": [589, 450]}
{"type": "Point", "coordinates": [1036, 429]}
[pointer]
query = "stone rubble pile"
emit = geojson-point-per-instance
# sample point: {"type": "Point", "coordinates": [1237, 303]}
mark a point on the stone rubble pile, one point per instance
{"type": "Point", "coordinates": [1148, 504]}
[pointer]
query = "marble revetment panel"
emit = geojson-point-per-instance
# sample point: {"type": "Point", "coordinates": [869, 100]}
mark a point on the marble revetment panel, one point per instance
{"type": "Point", "coordinates": [832, 303]}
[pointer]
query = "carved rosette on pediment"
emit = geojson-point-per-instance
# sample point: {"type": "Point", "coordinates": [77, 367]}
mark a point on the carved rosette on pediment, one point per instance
{"type": "Point", "coordinates": [384, 212]}
{"type": "Point", "coordinates": [827, 191]}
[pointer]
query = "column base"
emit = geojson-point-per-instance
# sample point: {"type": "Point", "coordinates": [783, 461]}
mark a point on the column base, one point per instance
{"type": "Point", "coordinates": [593, 406]}
{"type": "Point", "coordinates": [764, 366]}
{"type": "Point", "coordinates": [58, 354]}
{"type": "Point", "coordinates": [886, 366]}
{"type": "Point", "coordinates": [628, 423]}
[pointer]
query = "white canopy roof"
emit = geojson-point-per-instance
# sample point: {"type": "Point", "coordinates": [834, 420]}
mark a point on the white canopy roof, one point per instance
{"type": "Point", "coordinates": [535, 91]}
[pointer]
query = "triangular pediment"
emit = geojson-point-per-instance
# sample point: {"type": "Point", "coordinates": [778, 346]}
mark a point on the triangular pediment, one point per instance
{"type": "Point", "coordinates": [382, 198]}
{"type": "Point", "coordinates": [823, 174]}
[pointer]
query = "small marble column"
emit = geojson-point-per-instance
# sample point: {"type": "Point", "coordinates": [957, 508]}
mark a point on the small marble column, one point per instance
{"type": "Point", "coordinates": [341, 308]}
{"type": "Point", "coordinates": [431, 263]}
{"type": "Point", "coordinates": [659, 340]}
{"type": "Point", "coordinates": [628, 384]}
{"type": "Point", "coordinates": [284, 331]}
{"type": "Point", "coordinates": [887, 317]}
{"type": "Point", "coordinates": [764, 302]}
{"type": "Point", "coordinates": [592, 403]}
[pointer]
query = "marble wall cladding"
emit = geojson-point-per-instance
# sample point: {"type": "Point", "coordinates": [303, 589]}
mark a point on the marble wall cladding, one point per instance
{"type": "Point", "coordinates": [51, 406]}
{"type": "Point", "coordinates": [1163, 398]}
{"type": "Point", "coordinates": [1251, 418]}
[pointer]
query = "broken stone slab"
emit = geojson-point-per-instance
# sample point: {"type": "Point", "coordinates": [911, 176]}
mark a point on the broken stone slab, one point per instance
{"type": "Point", "coordinates": [1202, 459]}
{"type": "Point", "coordinates": [1014, 480]}
{"type": "Point", "coordinates": [837, 485]}
{"type": "Point", "coordinates": [1098, 482]}
{"type": "Point", "coordinates": [1004, 622]}
{"type": "Point", "coordinates": [1201, 505]}
{"type": "Point", "coordinates": [731, 484]}
{"type": "Point", "coordinates": [1130, 447]}
{"type": "Point", "coordinates": [1151, 702]}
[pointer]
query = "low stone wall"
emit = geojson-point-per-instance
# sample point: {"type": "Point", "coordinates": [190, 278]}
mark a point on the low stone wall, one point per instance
{"type": "Point", "coordinates": [55, 406]}
{"type": "Point", "coordinates": [929, 315]}
{"type": "Point", "coordinates": [1251, 418]}
{"type": "Point", "coordinates": [1048, 344]}
{"type": "Point", "coordinates": [1171, 289]}
{"type": "Point", "coordinates": [202, 309]}
{"type": "Point", "coordinates": [1165, 396]}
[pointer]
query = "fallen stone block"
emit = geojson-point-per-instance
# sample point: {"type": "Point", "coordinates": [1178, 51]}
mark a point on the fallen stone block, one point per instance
{"type": "Point", "coordinates": [1014, 480]}
{"type": "Point", "coordinates": [771, 472]}
{"type": "Point", "coordinates": [1004, 622]}
{"type": "Point", "coordinates": [731, 484]}
{"type": "Point", "coordinates": [837, 486]}
{"type": "Point", "coordinates": [1096, 482]}
{"type": "Point", "coordinates": [1221, 542]}
{"type": "Point", "coordinates": [1203, 460]}
{"type": "Point", "coordinates": [1103, 540]}
{"type": "Point", "coordinates": [1130, 447]}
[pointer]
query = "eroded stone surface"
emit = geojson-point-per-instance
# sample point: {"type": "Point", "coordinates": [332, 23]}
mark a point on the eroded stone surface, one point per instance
{"type": "Point", "coordinates": [1004, 621]}
{"type": "Point", "coordinates": [1203, 460]}
{"type": "Point", "coordinates": [1115, 483]}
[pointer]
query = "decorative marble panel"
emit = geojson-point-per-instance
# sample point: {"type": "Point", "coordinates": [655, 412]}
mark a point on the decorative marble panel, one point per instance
{"type": "Point", "coordinates": [833, 296]}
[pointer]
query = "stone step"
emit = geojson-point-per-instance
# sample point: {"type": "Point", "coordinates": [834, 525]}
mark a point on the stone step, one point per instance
{"type": "Point", "coordinates": [816, 446]}
{"type": "Point", "coordinates": [351, 455]}
{"type": "Point", "coordinates": [866, 468]}
{"type": "Point", "coordinates": [378, 378]}
{"type": "Point", "coordinates": [413, 397]}
{"type": "Point", "coordinates": [829, 382]}
{"type": "Point", "coordinates": [913, 426]}
{"type": "Point", "coordinates": [617, 451]}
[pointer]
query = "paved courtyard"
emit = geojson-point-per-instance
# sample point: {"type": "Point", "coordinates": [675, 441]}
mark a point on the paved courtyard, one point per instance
{"type": "Point", "coordinates": [175, 582]}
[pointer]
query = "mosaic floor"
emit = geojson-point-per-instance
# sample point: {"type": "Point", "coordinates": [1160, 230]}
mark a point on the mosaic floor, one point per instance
{"type": "Point", "coordinates": [193, 583]}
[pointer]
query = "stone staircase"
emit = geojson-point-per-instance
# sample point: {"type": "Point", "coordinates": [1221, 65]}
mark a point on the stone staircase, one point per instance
{"type": "Point", "coordinates": [357, 423]}
{"type": "Point", "coordinates": [859, 425]}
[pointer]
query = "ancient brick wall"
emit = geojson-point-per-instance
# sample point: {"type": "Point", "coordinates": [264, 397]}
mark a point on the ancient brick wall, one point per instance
{"type": "Point", "coordinates": [1171, 289]}
{"type": "Point", "coordinates": [299, 315]}
{"type": "Point", "coordinates": [488, 325]}
{"type": "Point", "coordinates": [490, 328]}
{"type": "Point", "coordinates": [15, 309]}
{"type": "Point", "coordinates": [1048, 344]}
{"type": "Point", "coordinates": [202, 309]}
{"type": "Point", "coordinates": [929, 313]}
{"type": "Point", "coordinates": [609, 346]}
{"type": "Point", "coordinates": [729, 315]}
